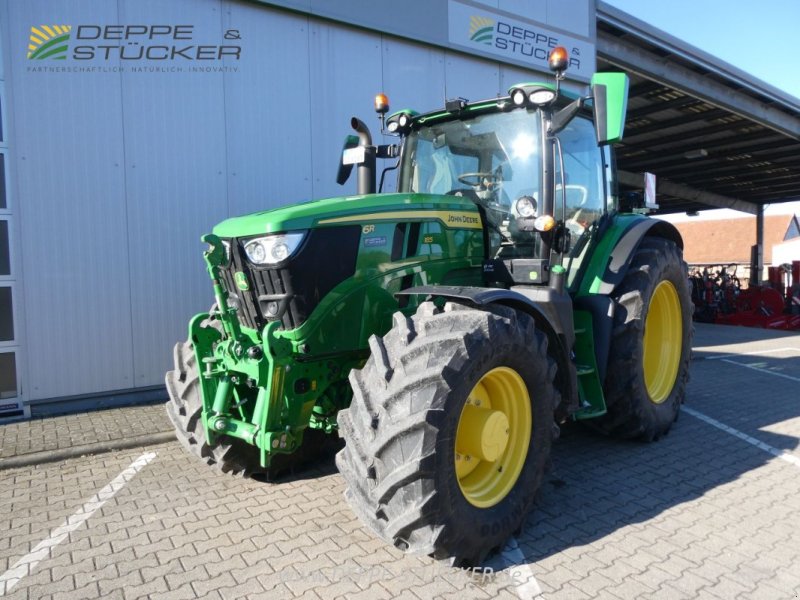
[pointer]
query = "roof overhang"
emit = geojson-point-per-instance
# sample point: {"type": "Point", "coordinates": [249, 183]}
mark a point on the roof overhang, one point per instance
{"type": "Point", "coordinates": [714, 135]}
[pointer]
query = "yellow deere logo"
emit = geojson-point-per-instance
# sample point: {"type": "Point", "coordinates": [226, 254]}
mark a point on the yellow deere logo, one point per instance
{"type": "Point", "coordinates": [481, 30]}
{"type": "Point", "coordinates": [49, 41]}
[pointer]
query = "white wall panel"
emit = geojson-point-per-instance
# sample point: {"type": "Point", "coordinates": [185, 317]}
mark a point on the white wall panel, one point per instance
{"type": "Point", "coordinates": [267, 107]}
{"type": "Point", "coordinates": [413, 77]}
{"type": "Point", "coordinates": [118, 175]}
{"type": "Point", "coordinates": [572, 15]}
{"type": "Point", "coordinates": [345, 74]}
{"type": "Point", "coordinates": [69, 164]}
{"type": "Point", "coordinates": [512, 75]}
{"type": "Point", "coordinates": [174, 127]}
{"type": "Point", "coordinates": [470, 78]}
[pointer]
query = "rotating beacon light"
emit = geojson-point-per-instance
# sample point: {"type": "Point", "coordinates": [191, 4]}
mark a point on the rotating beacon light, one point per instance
{"type": "Point", "coordinates": [558, 61]}
{"type": "Point", "coordinates": [381, 107]}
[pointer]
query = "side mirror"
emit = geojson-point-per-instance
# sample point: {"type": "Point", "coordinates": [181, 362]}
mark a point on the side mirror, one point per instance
{"type": "Point", "coordinates": [610, 103]}
{"type": "Point", "coordinates": [343, 173]}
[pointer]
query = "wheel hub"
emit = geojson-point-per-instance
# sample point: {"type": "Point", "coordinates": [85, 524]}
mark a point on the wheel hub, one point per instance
{"type": "Point", "coordinates": [485, 433]}
{"type": "Point", "coordinates": [663, 338]}
{"type": "Point", "coordinates": [493, 436]}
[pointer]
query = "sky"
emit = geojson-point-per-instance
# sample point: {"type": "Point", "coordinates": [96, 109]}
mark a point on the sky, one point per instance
{"type": "Point", "coordinates": [760, 37]}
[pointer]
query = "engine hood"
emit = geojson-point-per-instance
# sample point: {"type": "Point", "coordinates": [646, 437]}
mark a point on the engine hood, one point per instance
{"type": "Point", "coordinates": [453, 211]}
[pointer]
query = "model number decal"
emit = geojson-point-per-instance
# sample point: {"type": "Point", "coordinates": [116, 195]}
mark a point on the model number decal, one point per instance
{"type": "Point", "coordinates": [371, 242]}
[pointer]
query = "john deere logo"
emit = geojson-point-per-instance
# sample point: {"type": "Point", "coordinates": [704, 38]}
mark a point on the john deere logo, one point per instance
{"type": "Point", "coordinates": [481, 30]}
{"type": "Point", "coordinates": [49, 41]}
{"type": "Point", "coordinates": [241, 281]}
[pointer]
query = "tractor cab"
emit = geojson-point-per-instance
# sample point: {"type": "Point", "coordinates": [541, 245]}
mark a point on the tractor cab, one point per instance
{"type": "Point", "coordinates": [536, 163]}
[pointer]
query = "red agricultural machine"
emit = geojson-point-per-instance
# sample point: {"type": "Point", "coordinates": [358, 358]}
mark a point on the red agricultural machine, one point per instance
{"type": "Point", "coordinates": [719, 297]}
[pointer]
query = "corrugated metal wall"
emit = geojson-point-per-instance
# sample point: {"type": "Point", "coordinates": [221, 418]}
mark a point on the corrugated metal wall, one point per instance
{"type": "Point", "coordinates": [119, 174]}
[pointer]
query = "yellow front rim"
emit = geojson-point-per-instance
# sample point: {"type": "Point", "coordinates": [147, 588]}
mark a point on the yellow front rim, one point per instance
{"type": "Point", "coordinates": [663, 339]}
{"type": "Point", "coordinates": [494, 431]}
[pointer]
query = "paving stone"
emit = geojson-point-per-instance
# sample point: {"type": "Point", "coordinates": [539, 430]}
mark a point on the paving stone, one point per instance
{"type": "Point", "coordinates": [700, 514]}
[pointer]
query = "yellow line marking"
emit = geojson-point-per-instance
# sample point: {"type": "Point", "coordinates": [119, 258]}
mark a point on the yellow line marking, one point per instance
{"type": "Point", "coordinates": [453, 219]}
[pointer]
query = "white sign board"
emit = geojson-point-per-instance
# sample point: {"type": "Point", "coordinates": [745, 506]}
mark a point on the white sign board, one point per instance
{"type": "Point", "coordinates": [650, 191]}
{"type": "Point", "coordinates": [482, 30]}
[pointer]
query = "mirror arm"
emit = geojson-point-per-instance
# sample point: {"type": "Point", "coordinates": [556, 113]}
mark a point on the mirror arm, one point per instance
{"type": "Point", "coordinates": [563, 117]}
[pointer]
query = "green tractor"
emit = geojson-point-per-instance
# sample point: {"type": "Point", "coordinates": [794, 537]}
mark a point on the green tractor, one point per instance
{"type": "Point", "coordinates": [444, 331]}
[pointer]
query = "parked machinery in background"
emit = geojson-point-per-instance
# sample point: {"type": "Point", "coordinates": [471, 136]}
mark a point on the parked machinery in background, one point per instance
{"type": "Point", "coordinates": [719, 298]}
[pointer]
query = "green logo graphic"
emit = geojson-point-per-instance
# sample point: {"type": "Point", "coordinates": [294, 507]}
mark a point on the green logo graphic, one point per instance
{"type": "Point", "coordinates": [481, 30]}
{"type": "Point", "coordinates": [49, 41]}
{"type": "Point", "coordinates": [241, 281]}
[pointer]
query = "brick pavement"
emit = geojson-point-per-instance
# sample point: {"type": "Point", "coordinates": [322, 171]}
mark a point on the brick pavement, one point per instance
{"type": "Point", "coordinates": [66, 431]}
{"type": "Point", "coordinates": [700, 514]}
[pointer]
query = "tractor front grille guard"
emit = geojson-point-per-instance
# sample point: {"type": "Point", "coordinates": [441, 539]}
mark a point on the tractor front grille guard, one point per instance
{"type": "Point", "coordinates": [290, 292]}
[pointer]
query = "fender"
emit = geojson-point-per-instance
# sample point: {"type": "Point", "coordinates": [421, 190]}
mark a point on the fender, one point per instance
{"type": "Point", "coordinates": [611, 258]}
{"type": "Point", "coordinates": [551, 311]}
{"type": "Point", "coordinates": [610, 261]}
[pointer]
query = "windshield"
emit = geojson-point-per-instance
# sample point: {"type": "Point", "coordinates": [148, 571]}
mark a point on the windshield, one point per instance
{"type": "Point", "coordinates": [494, 159]}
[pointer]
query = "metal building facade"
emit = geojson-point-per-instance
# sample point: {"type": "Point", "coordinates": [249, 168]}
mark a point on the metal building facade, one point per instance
{"type": "Point", "coordinates": [112, 175]}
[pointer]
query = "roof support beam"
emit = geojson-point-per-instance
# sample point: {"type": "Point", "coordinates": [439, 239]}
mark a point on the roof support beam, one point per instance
{"type": "Point", "coordinates": [635, 59]}
{"type": "Point", "coordinates": [689, 193]}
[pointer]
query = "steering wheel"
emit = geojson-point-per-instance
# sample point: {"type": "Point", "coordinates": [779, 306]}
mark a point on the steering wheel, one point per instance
{"type": "Point", "coordinates": [481, 180]}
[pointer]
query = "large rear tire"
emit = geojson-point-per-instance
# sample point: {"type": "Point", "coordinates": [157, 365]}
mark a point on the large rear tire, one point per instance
{"type": "Point", "coordinates": [449, 430]}
{"type": "Point", "coordinates": [650, 352]}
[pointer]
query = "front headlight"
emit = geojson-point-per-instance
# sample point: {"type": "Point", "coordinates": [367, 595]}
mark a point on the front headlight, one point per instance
{"type": "Point", "coordinates": [272, 249]}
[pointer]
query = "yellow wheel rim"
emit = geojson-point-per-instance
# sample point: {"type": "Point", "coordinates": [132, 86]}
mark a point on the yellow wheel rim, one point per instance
{"type": "Point", "coordinates": [494, 431]}
{"type": "Point", "coordinates": [663, 338]}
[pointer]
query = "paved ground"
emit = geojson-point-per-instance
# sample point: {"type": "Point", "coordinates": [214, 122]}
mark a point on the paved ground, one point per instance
{"type": "Point", "coordinates": [67, 431]}
{"type": "Point", "coordinates": [711, 511]}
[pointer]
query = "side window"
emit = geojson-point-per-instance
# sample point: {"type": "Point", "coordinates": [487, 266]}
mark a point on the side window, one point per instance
{"type": "Point", "coordinates": [582, 199]}
{"type": "Point", "coordinates": [585, 196]}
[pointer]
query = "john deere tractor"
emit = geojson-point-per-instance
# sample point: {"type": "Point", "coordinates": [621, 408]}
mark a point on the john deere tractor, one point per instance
{"type": "Point", "coordinates": [444, 331]}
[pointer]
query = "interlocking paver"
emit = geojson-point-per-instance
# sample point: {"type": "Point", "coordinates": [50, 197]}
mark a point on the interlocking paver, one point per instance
{"type": "Point", "coordinates": [700, 514]}
{"type": "Point", "coordinates": [66, 431]}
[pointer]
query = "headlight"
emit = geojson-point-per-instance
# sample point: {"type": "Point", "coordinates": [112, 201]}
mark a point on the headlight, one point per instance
{"type": "Point", "coordinates": [526, 207]}
{"type": "Point", "coordinates": [518, 97]}
{"type": "Point", "coordinates": [540, 97]}
{"type": "Point", "coordinates": [272, 249]}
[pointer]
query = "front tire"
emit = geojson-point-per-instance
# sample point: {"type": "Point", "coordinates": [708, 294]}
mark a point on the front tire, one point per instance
{"type": "Point", "coordinates": [184, 409]}
{"type": "Point", "coordinates": [442, 389]}
{"type": "Point", "coordinates": [229, 455]}
{"type": "Point", "coordinates": [648, 366]}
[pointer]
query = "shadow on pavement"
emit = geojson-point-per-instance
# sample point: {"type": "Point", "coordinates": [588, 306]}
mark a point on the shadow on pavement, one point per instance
{"type": "Point", "coordinates": [598, 485]}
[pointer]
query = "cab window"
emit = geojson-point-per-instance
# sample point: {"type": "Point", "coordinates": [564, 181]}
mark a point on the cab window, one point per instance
{"type": "Point", "coordinates": [580, 198]}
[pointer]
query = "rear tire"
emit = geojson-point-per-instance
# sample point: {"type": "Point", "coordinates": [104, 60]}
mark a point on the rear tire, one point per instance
{"type": "Point", "coordinates": [405, 421]}
{"type": "Point", "coordinates": [648, 369]}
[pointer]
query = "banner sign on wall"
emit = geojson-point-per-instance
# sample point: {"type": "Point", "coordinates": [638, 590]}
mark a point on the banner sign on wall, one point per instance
{"type": "Point", "coordinates": [482, 30]}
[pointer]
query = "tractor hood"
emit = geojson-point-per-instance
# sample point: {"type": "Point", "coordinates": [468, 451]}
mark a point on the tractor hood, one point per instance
{"type": "Point", "coordinates": [453, 211]}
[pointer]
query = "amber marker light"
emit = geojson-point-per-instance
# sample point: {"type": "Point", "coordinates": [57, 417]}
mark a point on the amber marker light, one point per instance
{"type": "Point", "coordinates": [544, 223]}
{"type": "Point", "coordinates": [558, 60]}
{"type": "Point", "coordinates": [381, 103]}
